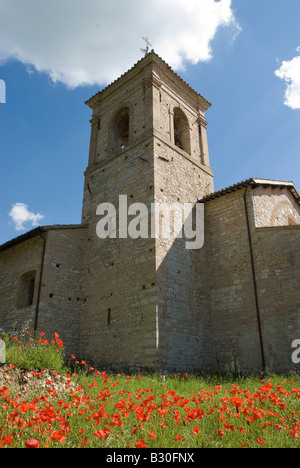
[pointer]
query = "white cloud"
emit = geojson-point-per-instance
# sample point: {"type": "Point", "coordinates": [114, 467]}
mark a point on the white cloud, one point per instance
{"type": "Point", "coordinates": [290, 73]}
{"type": "Point", "coordinates": [94, 41]}
{"type": "Point", "coordinates": [21, 215]}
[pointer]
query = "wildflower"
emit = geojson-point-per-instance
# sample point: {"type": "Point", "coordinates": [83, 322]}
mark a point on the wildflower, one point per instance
{"type": "Point", "coordinates": [58, 435]}
{"type": "Point", "coordinates": [196, 430]}
{"type": "Point", "coordinates": [229, 427]}
{"type": "Point", "coordinates": [178, 437]}
{"type": "Point", "coordinates": [261, 441]}
{"type": "Point", "coordinates": [152, 435]}
{"type": "Point", "coordinates": [32, 443]}
{"type": "Point", "coordinates": [221, 433]}
{"type": "Point", "coordinates": [6, 440]}
{"type": "Point", "coordinates": [141, 444]}
{"type": "Point", "coordinates": [102, 433]}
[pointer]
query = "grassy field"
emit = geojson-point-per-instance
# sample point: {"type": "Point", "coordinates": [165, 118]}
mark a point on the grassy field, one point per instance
{"type": "Point", "coordinates": [88, 408]}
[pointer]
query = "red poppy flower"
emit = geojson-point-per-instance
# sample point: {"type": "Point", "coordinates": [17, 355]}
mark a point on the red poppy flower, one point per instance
{"type": "Point", "coordinates": [32, 443]}
{"type": "Point", "coordinates": [58, 435]}
{"type": "Point", "coordinates": [196, 430]}
{"type": "Point", "coordinates": [6, 440]}
{"type": "Point", "coordinates": [261, 441]}
{"type": "Point", "coordinates": [103, 434]}
{"type": "Point", "coordinates": [141, 444]}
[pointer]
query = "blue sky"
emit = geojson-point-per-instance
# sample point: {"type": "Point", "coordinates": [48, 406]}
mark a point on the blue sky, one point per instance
{"type": "Point", "coordinates": [229, 54]}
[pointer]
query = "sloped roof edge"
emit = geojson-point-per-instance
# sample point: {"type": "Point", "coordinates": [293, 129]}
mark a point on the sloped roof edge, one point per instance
{"type": "Point", "coordinates": [253, 182]}
{"type": "Point", "coordinates": [152, 54]}
{"type": "Point", "coordinates": [36, 232]}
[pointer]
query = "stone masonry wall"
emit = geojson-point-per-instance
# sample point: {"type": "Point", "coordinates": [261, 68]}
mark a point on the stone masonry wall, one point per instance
{"type": "Point", "coordinates": [14, 262]}
{"type": "Point", "coordinates": [233, 310]}
{"type": "Point", "coordinates": [180, 178]}
{"type": "Point", "coordinates": [277, 264]}
{"type": "Point", "coordinates": [235, 343]}
{"type": "Point", "coordinates": [63, 295]}
{"type": "Point", "coordinates": [62, 291]}
{"type": "Point", "coordinates": [275, 207]}
{"type": "Point", "coordinates": [118, 328]}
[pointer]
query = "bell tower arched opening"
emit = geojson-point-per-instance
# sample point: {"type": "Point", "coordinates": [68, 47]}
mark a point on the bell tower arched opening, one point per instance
{"type": "Point", "coordinates": [120, 130]}
{"type": "Point", "coordinates": [181, 131]}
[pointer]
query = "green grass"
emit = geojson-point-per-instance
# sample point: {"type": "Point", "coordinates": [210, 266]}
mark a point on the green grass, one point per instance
{"type": "Point", "coordinates": [92, 409]}
{"type": "Point", "coordinates": [30, 351]}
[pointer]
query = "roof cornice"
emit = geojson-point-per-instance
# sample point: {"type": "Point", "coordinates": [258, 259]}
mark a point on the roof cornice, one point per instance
{"type": "Point", "coordinates": [37, 232]}
{"type": "Point", "coordinates": [153, 58]}
{"type": "Point", "coordinates": [253, 182]}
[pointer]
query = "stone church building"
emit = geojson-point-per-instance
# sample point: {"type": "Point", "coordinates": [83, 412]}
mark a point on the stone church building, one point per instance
{"type": "Point", "coordinates": [149, 302]}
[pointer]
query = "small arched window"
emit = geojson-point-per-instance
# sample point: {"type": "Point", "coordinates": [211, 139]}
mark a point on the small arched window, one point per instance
{"type": "Point", "coordinates": [120, 130]}
{"type": "Point", "coordinates": [181, 131]}
{"type": "Point", "coordinates": [26, 290]}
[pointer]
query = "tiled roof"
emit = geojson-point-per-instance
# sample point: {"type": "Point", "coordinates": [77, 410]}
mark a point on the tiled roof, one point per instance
{"type": "Point", "coordinates": [36, 232]}
{"type": "Point", "coordinates": [254, 182]}
{"type": "Point", "coordinates": [153, 55]}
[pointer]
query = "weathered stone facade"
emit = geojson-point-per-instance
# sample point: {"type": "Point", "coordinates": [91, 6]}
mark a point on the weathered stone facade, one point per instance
{"type": "Point", "coordinates": [54, 256]}
{"type": "Point", "coordinates": [254, 275]}
{"type": "Point", "coordinates": [149, 302]}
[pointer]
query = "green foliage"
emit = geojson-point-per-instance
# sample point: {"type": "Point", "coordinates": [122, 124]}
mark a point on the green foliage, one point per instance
{"type": "Point", "coordinates": [29, 351]}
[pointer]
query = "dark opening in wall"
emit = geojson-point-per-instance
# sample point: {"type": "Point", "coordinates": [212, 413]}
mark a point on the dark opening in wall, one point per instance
{"type": "Point", "coordinates": [120, 130]}
{"type": "Point", "coordinates": [181, 131]}
{"type": "Point", "coordinates": [108, 316]}
{"type": "Point", "coordinates": [26, 290]}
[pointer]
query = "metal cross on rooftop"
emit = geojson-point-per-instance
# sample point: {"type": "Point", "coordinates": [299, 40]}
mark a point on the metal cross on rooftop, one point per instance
{"type": "Point", "coordinates": [148, 45]}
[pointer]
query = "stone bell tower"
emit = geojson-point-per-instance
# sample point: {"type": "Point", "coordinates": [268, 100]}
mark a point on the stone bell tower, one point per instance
{"type": "Point", "coordinates": [146, 306]}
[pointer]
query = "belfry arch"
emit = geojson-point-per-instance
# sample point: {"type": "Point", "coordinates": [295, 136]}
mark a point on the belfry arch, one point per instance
{"type": "Point", "coordinates": [120, 130]}
{"type": "Point", "coordinates": [181, 130]}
